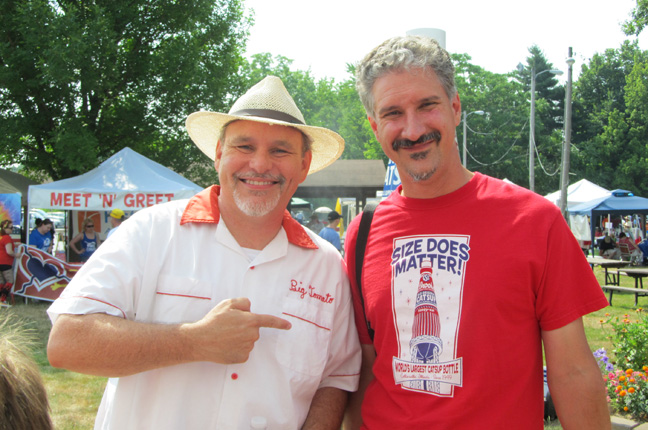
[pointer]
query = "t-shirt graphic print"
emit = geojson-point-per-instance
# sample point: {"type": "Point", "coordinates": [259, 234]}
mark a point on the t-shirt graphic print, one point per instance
{"type": "Point", "coordinates": [427, 287]}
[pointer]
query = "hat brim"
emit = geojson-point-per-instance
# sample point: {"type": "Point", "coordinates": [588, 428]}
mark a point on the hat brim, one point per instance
{"type": "Point", "coordinates": [204, 128]}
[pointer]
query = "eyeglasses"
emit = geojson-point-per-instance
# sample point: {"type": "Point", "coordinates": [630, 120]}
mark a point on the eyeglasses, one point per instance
{"type": "Point", "coordinates": [89, 226]}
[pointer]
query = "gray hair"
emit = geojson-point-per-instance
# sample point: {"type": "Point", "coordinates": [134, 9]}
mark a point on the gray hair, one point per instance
{"type": "Point", "coordinates": [307, 142]}
{"type": "Point", "coordinates": [403, 53]}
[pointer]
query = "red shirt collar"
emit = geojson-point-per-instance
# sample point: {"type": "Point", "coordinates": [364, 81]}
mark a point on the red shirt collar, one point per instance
{"type": "Point", "coordinates": [203, 208]}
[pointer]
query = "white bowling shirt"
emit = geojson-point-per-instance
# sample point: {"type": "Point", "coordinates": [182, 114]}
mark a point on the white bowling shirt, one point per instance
{"type": "Point", "coordinates": [168, 264]}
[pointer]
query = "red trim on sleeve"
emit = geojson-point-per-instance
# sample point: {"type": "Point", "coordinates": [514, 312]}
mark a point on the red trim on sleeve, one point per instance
{"type": "Point", "coordinates": [105, 303]}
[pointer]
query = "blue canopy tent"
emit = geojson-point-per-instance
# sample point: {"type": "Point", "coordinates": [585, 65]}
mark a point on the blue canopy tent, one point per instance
{"type": "Point", "coordinates": [619, 202]}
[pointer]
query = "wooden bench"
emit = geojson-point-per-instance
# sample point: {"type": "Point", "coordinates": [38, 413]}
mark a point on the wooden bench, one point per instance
{"type": "Point", "coordinates": [625, 290]}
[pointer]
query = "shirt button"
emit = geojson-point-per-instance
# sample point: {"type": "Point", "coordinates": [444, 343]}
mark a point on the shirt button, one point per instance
{"type": "Point", "coordinates": [234, 376]}
{"type": "Point", "coordinates": [251, 267]}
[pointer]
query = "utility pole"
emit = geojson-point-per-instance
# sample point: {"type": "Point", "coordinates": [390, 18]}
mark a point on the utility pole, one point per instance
{"type": "Point", "coordinates": [564, 174]}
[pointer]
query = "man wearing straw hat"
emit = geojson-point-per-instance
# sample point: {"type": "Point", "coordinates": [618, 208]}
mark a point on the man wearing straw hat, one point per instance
{"type": "Point", "coordinates": [220, 311]}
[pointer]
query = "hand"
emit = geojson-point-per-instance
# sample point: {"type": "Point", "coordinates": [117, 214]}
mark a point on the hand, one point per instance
{"type": "Point", "coordinates": [228, 332]}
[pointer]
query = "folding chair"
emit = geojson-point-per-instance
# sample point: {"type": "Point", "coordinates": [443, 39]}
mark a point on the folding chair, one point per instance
{"type": "Point", "coordinates": [625, 252]}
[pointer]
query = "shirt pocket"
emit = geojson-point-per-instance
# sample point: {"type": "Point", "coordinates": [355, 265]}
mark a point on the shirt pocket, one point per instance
{"type": "Point", "coordinates": [304, 348]}
{"type": "Point", "coordinates": [181, 299]}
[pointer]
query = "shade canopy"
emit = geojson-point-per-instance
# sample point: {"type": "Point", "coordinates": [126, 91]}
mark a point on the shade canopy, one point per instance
{"type": "Point", "coordinates": [127, 181]}
{"type": "Point", "coordinates": [619, 202]}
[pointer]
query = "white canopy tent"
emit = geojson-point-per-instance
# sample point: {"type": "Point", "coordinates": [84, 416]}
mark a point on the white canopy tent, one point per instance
{"type": "Point", "coordinates": [127, 181]}
{"type": "Point", "coordinates": [579, 192]}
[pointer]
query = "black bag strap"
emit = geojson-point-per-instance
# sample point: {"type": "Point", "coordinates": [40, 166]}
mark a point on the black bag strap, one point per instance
{"type": "Point", "coordinates": [361, 245]}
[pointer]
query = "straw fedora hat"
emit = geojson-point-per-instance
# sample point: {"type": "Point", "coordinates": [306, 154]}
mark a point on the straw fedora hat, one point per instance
{"type": "Point", "coordinates": [267, 102]}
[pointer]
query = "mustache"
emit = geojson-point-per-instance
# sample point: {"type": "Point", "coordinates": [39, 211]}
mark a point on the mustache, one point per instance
{"type": "Point", "coordinates": [406, 143]}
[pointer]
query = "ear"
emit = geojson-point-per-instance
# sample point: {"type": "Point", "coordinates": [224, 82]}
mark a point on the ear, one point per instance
{"type": "Point", "coordinates": [456, 107]}
{"type": "Point", "coordinates": [374, 126]}
{"type": "Point", "coordinates": [306, 162]}
{"type": "Point", "coordinates": [219, 154]}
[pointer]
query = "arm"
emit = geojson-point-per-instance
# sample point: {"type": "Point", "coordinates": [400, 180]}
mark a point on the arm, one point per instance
{"type": "Point", "coordinates": [326, 410]}
{"type": "Point", "coordinates": [105, 345]}
{"type": "Point", "coordinates": [574, 379]}
{"type": "Point", "coordinates": [9, 249]}
{"type": "Point", "coordinates": [352, 416]}
{"type": "Point", "coordinates": [74, 241]}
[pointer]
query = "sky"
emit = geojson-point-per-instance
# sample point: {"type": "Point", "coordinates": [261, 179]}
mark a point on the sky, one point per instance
{"type": "Point", "coordinates": [323, 36]}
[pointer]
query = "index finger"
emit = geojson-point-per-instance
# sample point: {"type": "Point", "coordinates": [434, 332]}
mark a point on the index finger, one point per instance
{"type": "Point", "coordinates": [272, 321]}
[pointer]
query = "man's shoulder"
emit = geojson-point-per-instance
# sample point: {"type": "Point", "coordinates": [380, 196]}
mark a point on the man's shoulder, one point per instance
{"type": "Point", "coordinates": [162, 210]}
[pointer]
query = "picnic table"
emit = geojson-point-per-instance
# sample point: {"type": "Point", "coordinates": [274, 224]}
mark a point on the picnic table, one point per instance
{"type": "Point", "coordinates": [610, 277]}
{"type": "Point", "coordinates": [637, 273]}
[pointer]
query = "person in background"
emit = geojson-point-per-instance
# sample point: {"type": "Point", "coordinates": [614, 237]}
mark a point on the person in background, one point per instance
{"type": "Point", "coordinates": [330, 232]}
{"type": "Point", "coordinates": [608, 248]}
{"type": "Point", "coordinates": [116, 218]}
{"type": "Point", "coordinates": [451, 316]}
{"type": "Point", "coordinates": [86, 242]}
{"type": "Point", "coordinates": [211, 312]}
{"type": "Point", "coordinates": [40, 237]}
{"type": "Point", "coordinates": [635, 253]}
{"type": "Point", "coordinates": [23, 399]}
{"type": "Point", "coordinates": [315, 224]}
{"type": "Point", "coordinates": [6, 259]}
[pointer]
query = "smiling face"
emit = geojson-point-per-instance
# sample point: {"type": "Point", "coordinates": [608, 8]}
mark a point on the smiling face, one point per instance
{"type": "Point", "coordinates": [414, 120]}
{"type": "Point", "coordinates": [260, 166]}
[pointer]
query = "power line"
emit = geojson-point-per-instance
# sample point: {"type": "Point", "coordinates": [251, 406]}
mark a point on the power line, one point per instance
{"type": "Point", "coordinates": [503, 155]}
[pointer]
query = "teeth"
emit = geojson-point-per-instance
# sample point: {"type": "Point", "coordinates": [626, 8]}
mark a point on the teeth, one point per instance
{"type": "Point", "coordinates": [258, 182]}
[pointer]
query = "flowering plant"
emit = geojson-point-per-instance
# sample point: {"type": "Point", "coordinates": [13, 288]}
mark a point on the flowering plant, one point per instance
{"type": "Point", "coordinates": [630, 340]}
{"type": "Point", "coordinates": [627, 388]}
{"type": "Point", "coordinates": [628, 391]}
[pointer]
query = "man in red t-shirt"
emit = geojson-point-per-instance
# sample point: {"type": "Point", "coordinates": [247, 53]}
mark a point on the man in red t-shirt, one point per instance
{"type": "Point", "coordinates": [461, 317]}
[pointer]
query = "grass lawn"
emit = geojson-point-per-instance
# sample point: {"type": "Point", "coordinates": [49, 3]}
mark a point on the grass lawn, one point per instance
{"type": "Point", "coordinates": [74, 398]}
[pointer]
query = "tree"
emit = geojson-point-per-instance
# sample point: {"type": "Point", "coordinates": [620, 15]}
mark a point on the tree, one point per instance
{"type": "Point", "coordinates": [81, 80]}
{"type": "Point", "coordinates": [609, 144]}
{"type": "Point", "coordinates": [639, 19]}
{"type": "Point", "coordinates": [496, 145]}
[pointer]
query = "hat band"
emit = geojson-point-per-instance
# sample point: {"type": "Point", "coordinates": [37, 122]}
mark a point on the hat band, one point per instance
{"type": "Point", "coordinates": [268, 113]}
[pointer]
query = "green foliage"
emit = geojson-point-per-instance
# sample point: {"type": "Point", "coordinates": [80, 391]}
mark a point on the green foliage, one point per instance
{"type": "Point", "coordinates": [630, 340]}
{"type": "Point", "coordinates": [639, 19]}
{"type": "Point", "coordinates": [610, 114]}
{"type": "Point", "coordinates": [627, 379]}
{"type": "Point", "coordinates": [496, 145]}
{"type": "Point", "coordinates": [81, 80]}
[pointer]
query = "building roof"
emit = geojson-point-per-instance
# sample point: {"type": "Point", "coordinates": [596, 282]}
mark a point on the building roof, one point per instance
{"type": "Point", "coordinates": [345, 178]}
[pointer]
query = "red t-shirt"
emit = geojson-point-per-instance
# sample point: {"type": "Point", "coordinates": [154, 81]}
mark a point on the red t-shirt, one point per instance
{"type": "Point", "coordinates": [631, 245]}
{"type": "Point", "coordinates": [461, 349]}
{"type": "Point", "coordinates": [4, 257]}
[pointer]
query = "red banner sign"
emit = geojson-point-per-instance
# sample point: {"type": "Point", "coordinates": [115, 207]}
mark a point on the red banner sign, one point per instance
{"type": "Point", "coordinates": [40, 275]}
